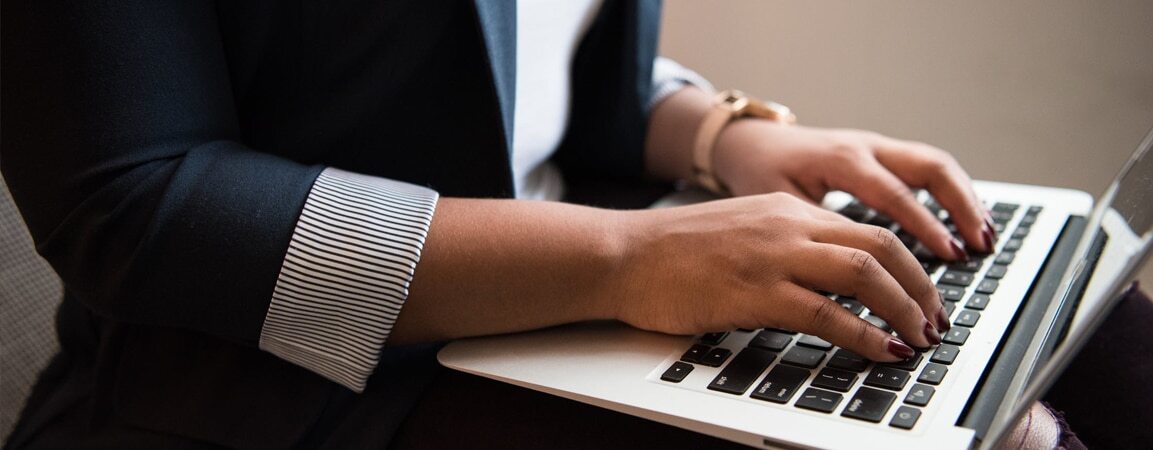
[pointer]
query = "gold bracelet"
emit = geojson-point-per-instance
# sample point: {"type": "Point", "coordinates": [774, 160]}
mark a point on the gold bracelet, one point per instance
{"type": "Point", "coordinates": [731, 105]}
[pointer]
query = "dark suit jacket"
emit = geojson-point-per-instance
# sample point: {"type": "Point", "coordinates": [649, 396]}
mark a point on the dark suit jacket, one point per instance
{"type": "Point", "coordinates": [161, 151]}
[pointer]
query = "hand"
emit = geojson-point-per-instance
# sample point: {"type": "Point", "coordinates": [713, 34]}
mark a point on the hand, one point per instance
{"type": "Point", "coordinates": [755, 156]}
{"type": "Point", "coordinates": [754, 262]}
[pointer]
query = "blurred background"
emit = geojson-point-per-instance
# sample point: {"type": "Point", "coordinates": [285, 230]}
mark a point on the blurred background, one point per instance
{"type": "Point", "coordinates": [1055, 93]}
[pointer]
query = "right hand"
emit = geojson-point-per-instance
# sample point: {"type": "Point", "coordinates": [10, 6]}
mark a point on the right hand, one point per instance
{"type": "Point", "coordinates": [757, 261]}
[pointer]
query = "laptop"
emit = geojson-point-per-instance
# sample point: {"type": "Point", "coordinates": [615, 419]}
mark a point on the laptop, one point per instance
{"type": "Point", "coordinates": [1020, 314]}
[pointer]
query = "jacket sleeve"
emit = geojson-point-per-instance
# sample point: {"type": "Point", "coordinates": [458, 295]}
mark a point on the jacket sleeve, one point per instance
{"type": "Point", "coordinates": [121, 147]}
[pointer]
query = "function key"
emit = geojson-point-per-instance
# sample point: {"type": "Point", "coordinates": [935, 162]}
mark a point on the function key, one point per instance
{"type": "Point", "coordinates": [819, 400]}
{"type": "Point", "coordinates": [1014, 244]}
{"type": "Point", "coordinates": [1020, 233]}
{"type": "Point", "coordinates": [716, 357]}
{"type": "Point", "coordinates": [1001, 216]}
{"type": "Point", "coordinates": [869, 404]}
{"type": "Point", "coordinates": [1005, 258]}
{"type": "Point", "coordinates": [804, 357]}
{"type": "Point", "coordinates": [780, 384]}
{"type": "Point", "coordinates": [743, 371]}
{"type": "Point", "coordinates": [1034, 210]}
{"type": "Point", "coordinates": [770, 340]}
{"type": "Point", "coordinates": [933, 373]}
{"type": "Point", "coordinates": [1028, 220]}
{"type": "Point", "coordinates": [905, 418]}
{"type": "Point", "coordinates": [945, 354]}
{"type": "Point", "coordinates": [887, 377]}
{"type": "Point", "coordinates": [695, 353]}
{"type": "Point", "coordinates": [713, 338]}
{"type": "Point", "coordinates": [837, 380]}
{"type": "Point", "coordinates": [847, 360]}
{"type": "Point", "coordinates": [920, 394]}
{"type": "Point", "coordinates": [677, 372]}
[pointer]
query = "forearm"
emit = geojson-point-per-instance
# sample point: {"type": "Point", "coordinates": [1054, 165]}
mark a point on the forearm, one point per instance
{"type": "Point", "coordinates": [672, 129]}
{"type": "Point", "coordinates": [498, 266]}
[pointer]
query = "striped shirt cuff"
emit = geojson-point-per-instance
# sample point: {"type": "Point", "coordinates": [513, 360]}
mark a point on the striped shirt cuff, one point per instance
{"type": "Point", "coordinates": [670, 77]}
{"type": "Point", "coordinates": [346, 274]}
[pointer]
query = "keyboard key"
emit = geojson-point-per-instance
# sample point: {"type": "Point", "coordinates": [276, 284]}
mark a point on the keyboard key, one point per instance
{"type": "Point", "coordinates": [956, 336]}
{"type": "Point", "coordinates": [780, 384]}
{"type": "Point", "coordinates": [945, 354]}
{"type": "Point", "coordinates": [771, 340]}
{"type": "Point", "coordinates": [837, 380]}
{"type": "Point", "coordinates": [1029, 219]}
{"type": "Point", "coordinates": [716, 357]}
{"type": "Point", "coordinates": [1020, 233]}
{"type": "Point", "coordinates": [949, 308]}
{"type": "Point", "coordinates": [869, 404]}
{"type": "Point", "coordinates": [967, 318]}
{"type": "Point", "coordinates": [804, 357]}
{"type": "Point", "coordinates": [847, 360]}
{"type": "Point", "coordinates": [782, 330]}
{"type": "Point", "coordinates": [1013, 245]}
{"type": "Point", "coordinates": [956, 278]}
{"type": "Point", "coordinates": [1034, 210]}
{"type": "Point", "coordinates": [978, 301]}
{"type": "Point", "coordinates": [677, 372]}
{"type": "Point", "coordinates": [905, 418]}
{"type": "Point", "coordinates": [987, 286]}
{"type": "Point", "coordinates": [713, 338]}
{"type": "Point", "coordinates": [856, 211]}
{"type": "Point", "coordinates": [743, 371]}
{"type": "Point", "coordinates": [851, 304]}
{"type": "Point", "coordinates": [970, 266]}
{"type": "Point", "coordinates": [878, 322]}
{"type": "Point", "coordinates": [920, 394]}
{"type": "Point", "coordinates": [811, 341]}
{"type": "Point", "coordinates": [997, 271]}
{"type": "Point", "coordinates": [819, 400]}
{"type": "Point", "coordinates": [932, 374]}
{"type": "Point", "coordinates": [1001, 216]}
{"type": "Point", "coordinates": [907, 364]}
{"type": "Point", "coordinates": [887, 377]}
{"type": "Point", "coordinates": [951, 293]}
{"type": "Point", "coordinates": [695, 353]}
{"type": "Point", "coordinates": [1005, 207]}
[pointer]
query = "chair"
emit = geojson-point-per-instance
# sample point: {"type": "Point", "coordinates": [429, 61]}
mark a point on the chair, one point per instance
{"type": "Point", "coordinates": [30, 292]}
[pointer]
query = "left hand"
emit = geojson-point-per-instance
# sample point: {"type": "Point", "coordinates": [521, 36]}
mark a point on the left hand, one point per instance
{"type": "Point", "coordinates": [754, 156]}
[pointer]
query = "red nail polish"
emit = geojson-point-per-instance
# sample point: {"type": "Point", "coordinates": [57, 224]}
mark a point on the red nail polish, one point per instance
{"type": "Point", "coordinates": [987, 235]}
{"type": "Point", "coordinates": [931, 334]}
{"type": "Point", "coordinates": [900, 349]}
{"type": "Point", "coordinates": [958, 250]}
{"type": "Point", "coordinates": [943, 319]}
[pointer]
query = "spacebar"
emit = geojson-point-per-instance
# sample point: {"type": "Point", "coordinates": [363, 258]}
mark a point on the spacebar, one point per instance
{"type": "Point", "coordinates": [742, 371]}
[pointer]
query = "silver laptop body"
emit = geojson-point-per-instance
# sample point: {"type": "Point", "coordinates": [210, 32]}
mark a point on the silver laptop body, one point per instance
{"type": "Point", "coordinates": [1070, 269]}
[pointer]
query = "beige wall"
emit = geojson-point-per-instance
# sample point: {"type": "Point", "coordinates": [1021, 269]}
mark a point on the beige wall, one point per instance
{"type": "Point", "coordinates": [1042, 92]}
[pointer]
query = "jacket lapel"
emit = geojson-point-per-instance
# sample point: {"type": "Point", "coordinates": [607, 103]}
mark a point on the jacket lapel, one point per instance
{"type": "Point", "coordinates": [498, 26]}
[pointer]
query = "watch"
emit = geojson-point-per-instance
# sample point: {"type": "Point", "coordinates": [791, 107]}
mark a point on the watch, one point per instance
{"type": "Point", "coordinates": [730, 105]}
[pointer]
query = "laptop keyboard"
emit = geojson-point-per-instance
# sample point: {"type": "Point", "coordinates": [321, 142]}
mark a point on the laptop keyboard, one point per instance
{"type": "Point", "coordinates": [787, 368]}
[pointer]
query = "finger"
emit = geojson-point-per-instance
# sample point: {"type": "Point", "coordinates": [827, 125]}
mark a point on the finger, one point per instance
{"type": "Point", "coordinates": [812, 313]}
{"type": "Point", "coordinates": [879, 188]}
{"type": "Point", "coordinates": [856, 272]}
{"type": "Point", "coordinates": [883, 245]}
{"type": "Point", "coordinates": [934, 169]}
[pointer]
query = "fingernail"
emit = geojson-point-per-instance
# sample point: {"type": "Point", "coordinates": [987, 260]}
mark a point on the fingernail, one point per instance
{"type": "Point", "coordinates": [989, 225]}
{"type": "Point", "coordinates": [987, 235]}
{"type": "Point", "coordinates": [958, 250]}
{"type": "Point", "coordinates": [943, 319]}
{"type": "Point", "coordinates": [900, 349]}
{"type": "Point", "coordinates": [931, 334]}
